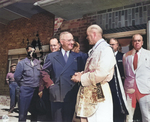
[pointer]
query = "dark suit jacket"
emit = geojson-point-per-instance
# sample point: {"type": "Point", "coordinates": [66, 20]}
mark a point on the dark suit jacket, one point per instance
{"type": "Point", "coordinates": [64, 89]}
{"type": "Point", "coordinates": [84, 57]}
{"type": "Point", "coordinates": [119, 58]}
{"type": "Point", "coordinates": [119, 107]}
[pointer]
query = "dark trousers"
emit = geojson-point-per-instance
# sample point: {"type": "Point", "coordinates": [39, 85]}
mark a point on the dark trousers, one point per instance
{"type": "Point", "coordinates": [62, 111]}
{"type": "Point", "coordinates": [27, 100]}
{"type": "Point", "coordinates": [12, 90]}
{"type": "Point", "coordinates": [118, 116]}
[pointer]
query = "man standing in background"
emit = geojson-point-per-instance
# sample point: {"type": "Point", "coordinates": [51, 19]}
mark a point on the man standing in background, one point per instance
{"type": "Point", "coordinates": [137, 79]}
{"type": "Point", "coordinates": [54, 45]}
{"type": "Point", "coordinates": [116, 86]}
{"type": "Point", "coordinates": [119, 56]}
{"type": "Point", "coordinates": [27, 75]}
{"type": "Point", "coordinates": [12, 87]}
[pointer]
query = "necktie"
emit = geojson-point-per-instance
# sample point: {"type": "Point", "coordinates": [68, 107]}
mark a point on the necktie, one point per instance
{"type": "Point", "coordinates": [135, 61]}
{"type": "Point", "coordinates": [65, 56]}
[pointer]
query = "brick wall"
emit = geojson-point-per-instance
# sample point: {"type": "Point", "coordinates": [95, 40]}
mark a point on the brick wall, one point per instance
{"type": "Point", "coordinates": [78, 28]}
{"type": "Point", "coordinates": [15, 34]}
{"type": "Point", "coordinates": [134, 16]}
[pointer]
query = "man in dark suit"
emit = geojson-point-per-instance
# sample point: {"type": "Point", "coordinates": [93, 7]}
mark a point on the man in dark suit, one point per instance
{"type": "Point", "coordinates": [61, 65]}
{"type": "Point", "coordinates": [116, 85]}
{"type": "Point", "coordinates": [119, 56]}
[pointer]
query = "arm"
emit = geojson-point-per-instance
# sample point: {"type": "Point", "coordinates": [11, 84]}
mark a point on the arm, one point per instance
{"type": "Point", "coordinates": [44, 77]}
{"type": "Point", "coordinates": [18, 72]}
{"type": "Point", "coordinates": [47, 65]}
{"type": "Point", "coordinates": [104, 69]}
{"type": "Point", "coordinates": [7, 78]}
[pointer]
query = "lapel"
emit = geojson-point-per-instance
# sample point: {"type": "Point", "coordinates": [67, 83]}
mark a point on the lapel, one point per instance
{"type": "Point", "coordinates": [70, 60]}
{"type": "Point", "coordinates": [130, 56]}
{"type": "Point", "coordinates": [141, 58]}
{"type": "Point", "coordinates": [117, 56]}
{"type": "Point", "coordinates": [35, 62]}
{"type": "Point", "coordinates": [59, 58]}
{"type": "Point", "coordinates": [27, 61]}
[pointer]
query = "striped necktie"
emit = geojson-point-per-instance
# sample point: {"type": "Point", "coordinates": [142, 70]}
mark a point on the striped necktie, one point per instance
{"type": "Point", "coordinates": [65, 57]}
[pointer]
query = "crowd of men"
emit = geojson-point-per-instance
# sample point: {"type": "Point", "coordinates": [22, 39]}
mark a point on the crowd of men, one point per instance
{"type": "Point", "coordinates": [102, 86]}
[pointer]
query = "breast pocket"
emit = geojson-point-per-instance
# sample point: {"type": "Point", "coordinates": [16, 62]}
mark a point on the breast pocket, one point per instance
{"type": "Point", "coordinates": [147, 63]}
{"type": "Point", "coordinates": [38, 69]}
{"type": "Point", "coordinates": [28, 71]}
{"type": "Point", "coordinates": [75, 66]}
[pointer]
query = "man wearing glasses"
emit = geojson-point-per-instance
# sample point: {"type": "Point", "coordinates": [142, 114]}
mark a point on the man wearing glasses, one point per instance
{"type": "Point", "coordinates": [137, 79]}
{"type": "Point", "coordinates": [61, 65]}
{"type": "Point", "coordinates": [119, 108]}
{"type": "Point", "coordinates": [115, 45]}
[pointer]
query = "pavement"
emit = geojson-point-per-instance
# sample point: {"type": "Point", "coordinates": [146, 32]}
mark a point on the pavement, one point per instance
{"type": "Point", "coordinates": [12, 117]}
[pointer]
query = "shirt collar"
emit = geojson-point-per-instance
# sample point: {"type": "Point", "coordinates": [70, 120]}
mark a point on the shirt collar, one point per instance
{"type": "Point", "coordinates": [116, 52]}
{"type": "Point", "coordinates": [138, 51]}
{"type": "Point", "coordinates": [97, 43]}
{"type": "Point", "coordinates": [63, 52]}
{"type": "Point", "coordinates": [95, 46]}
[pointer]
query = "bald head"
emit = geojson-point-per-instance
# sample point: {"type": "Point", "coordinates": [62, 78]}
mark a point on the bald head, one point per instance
{"type": "Point", "coordinates": [95, 28]}
{"type": "Point", "coordinates": [137, 35]}
{"type": "Point", "coordinates": [137, 41]}
{"type": "Point", "coordinates": [94, 34]}
{"type": "Point", "coordinates": [66, 40]}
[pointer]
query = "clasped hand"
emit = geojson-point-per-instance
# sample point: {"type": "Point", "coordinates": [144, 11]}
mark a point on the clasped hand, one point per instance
{"type": "Point", "coordinates": [77, 77]}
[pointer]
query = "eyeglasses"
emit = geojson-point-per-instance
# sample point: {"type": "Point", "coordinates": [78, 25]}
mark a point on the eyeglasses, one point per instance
{"type": "Point", "coordinates": [113, 44]}
{"type": "Point", "coordinates": [69, 40]}
{"type": "Point", "coordinates": [136, 40]}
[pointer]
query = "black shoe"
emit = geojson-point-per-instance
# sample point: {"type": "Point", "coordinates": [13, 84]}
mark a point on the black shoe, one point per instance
{"type": "Point", "coordinates": [11, 110]}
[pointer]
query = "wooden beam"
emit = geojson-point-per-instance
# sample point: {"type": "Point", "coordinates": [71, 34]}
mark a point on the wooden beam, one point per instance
{"type": "Point", "coordinates": [21, 51]}
{"type": "Point", "coordinates": [125, 34]}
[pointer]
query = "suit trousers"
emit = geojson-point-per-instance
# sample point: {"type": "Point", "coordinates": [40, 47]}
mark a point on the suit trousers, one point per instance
{"type": "Point", "coordinates": [62, 111]}
{"type": "Point", "coordinates": [117, 115]}
{"type": "Point", "coordinates": [144, 104]}
{"type": "Point", "coordinates": [104, 113]}
{"type": "Point", "coordinates": [27, 97]}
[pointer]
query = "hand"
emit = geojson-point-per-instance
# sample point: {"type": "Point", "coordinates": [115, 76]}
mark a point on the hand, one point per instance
{"type": "Point", "coordinates": [7, 82]}
{"type": "Point", "coordinates": [76, 77]}
{"type": "Point", "coordinates": [40, 94]}
{"type": "Point", "coordinates": [32, 52]}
